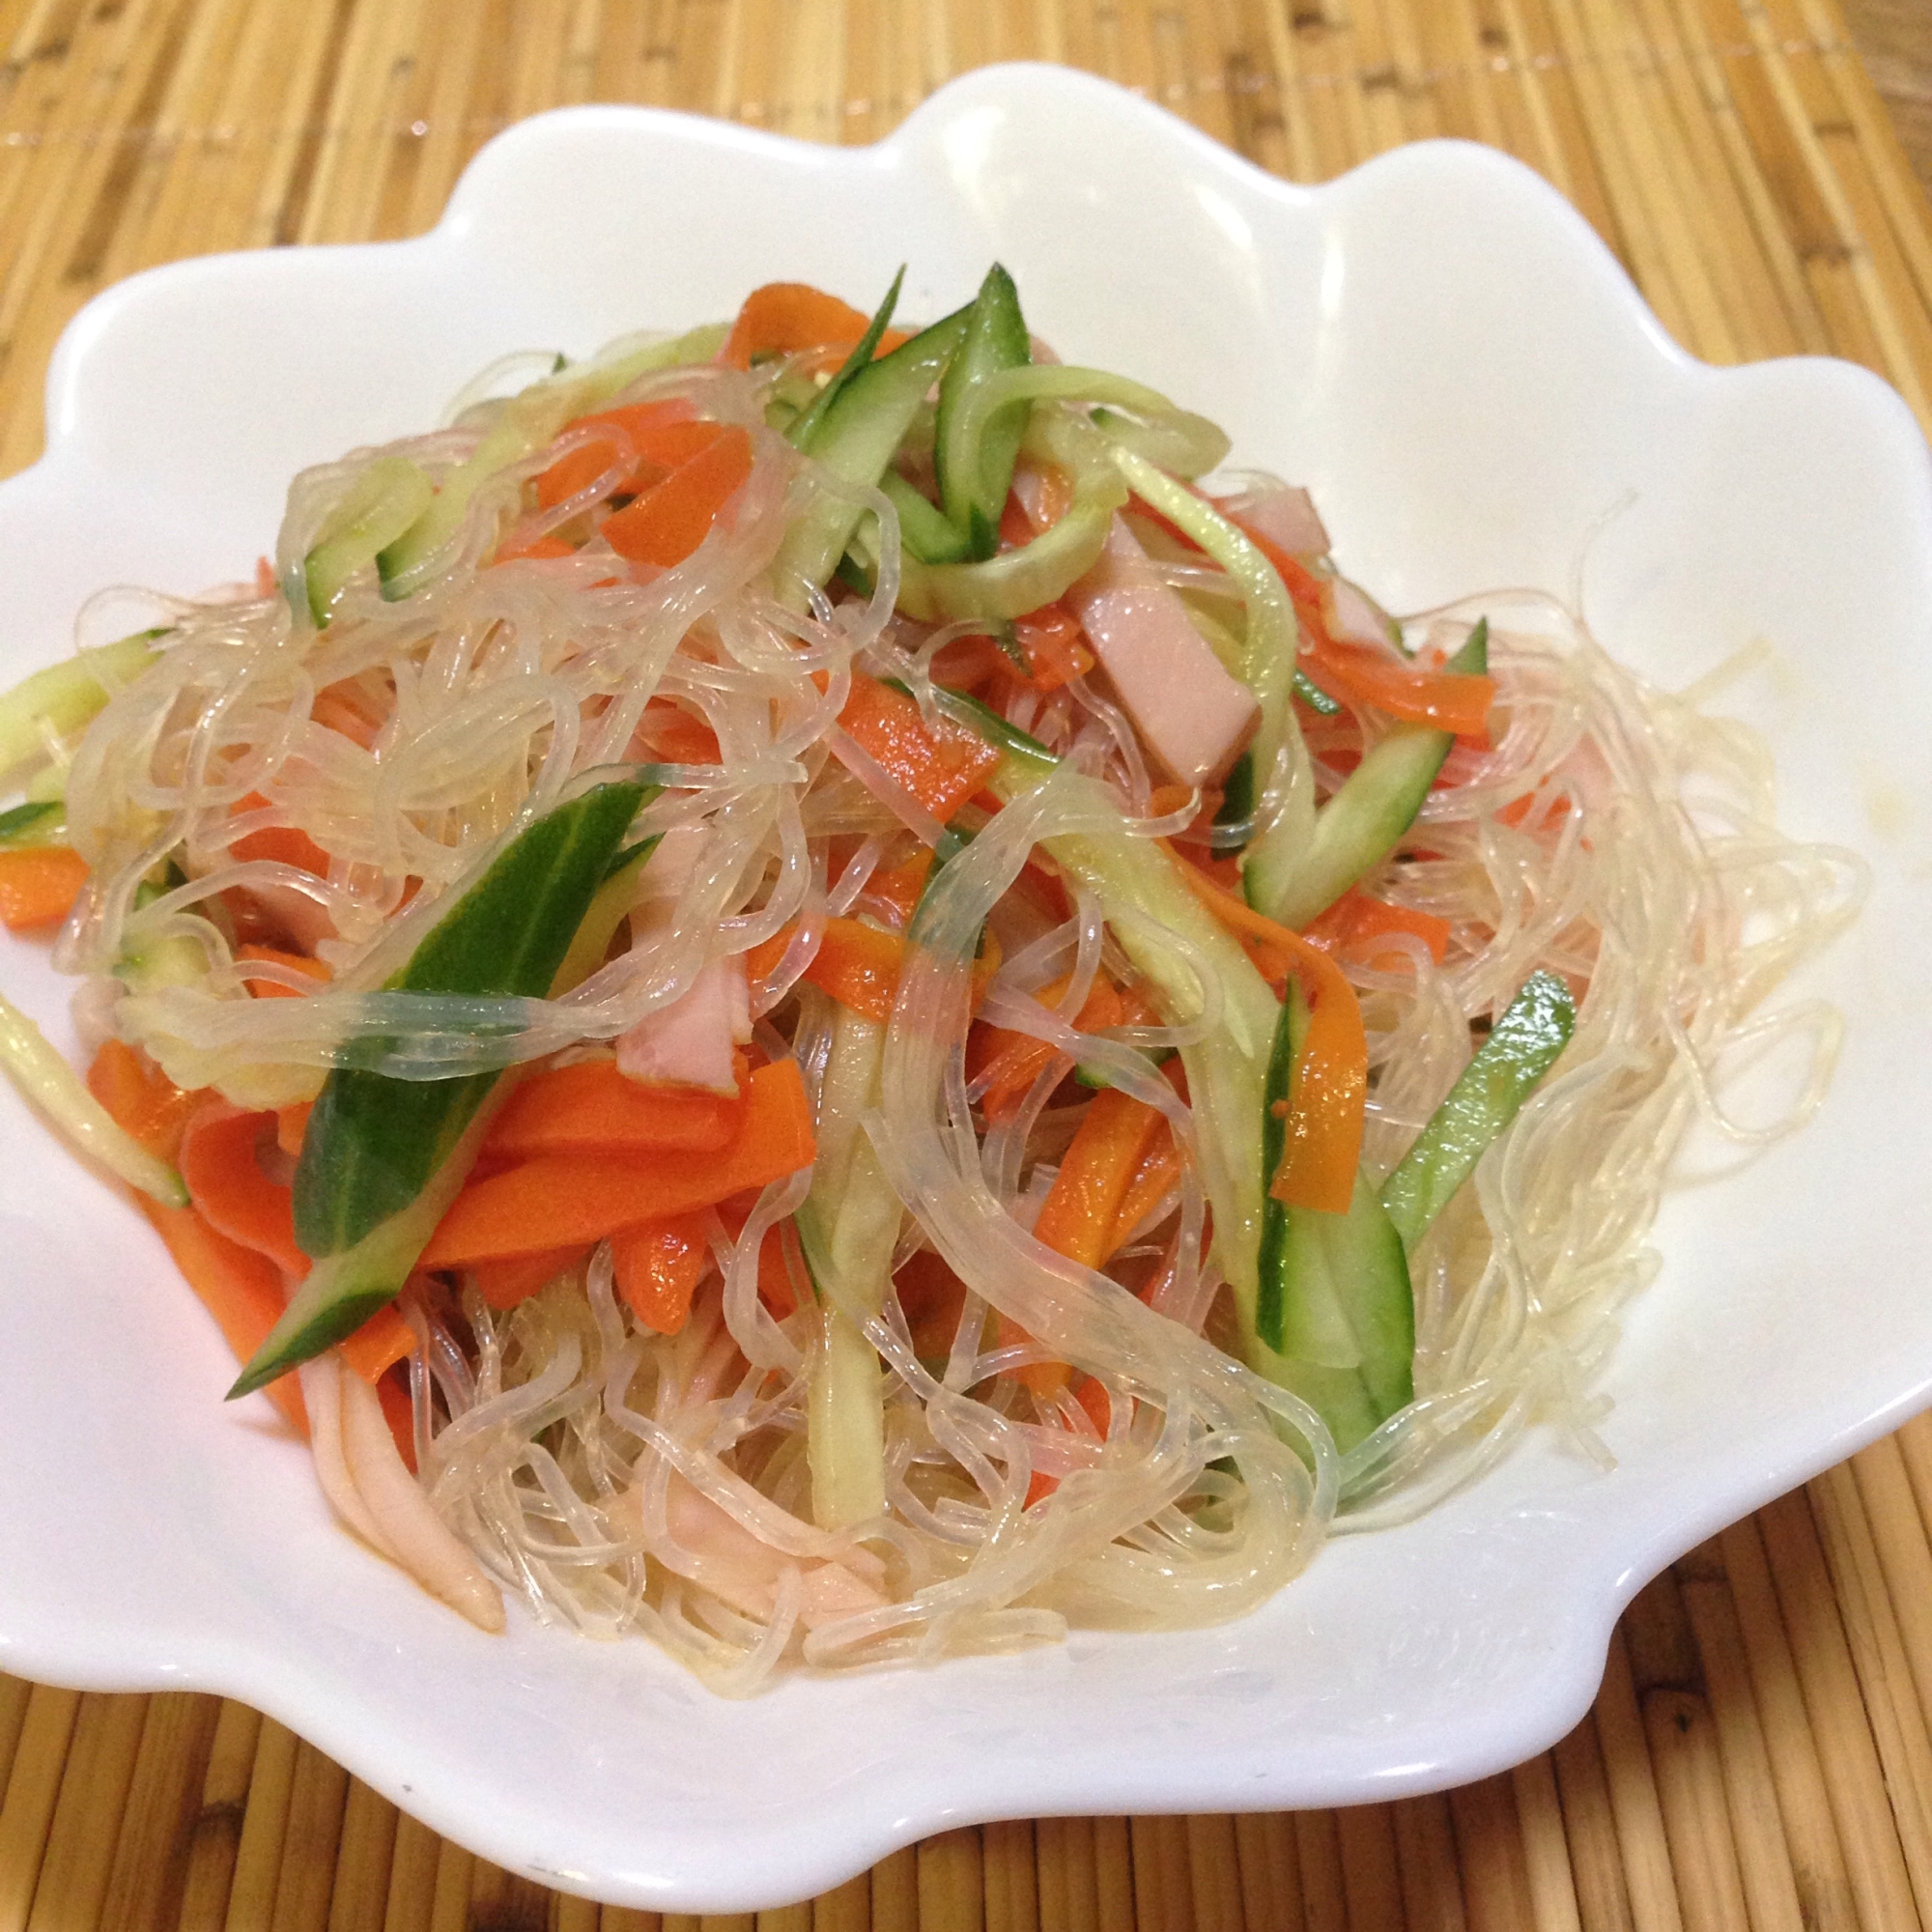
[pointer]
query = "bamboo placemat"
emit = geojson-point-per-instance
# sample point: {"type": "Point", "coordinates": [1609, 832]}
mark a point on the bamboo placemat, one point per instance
{"type": "Point", "coordinates": [1761, 1752]}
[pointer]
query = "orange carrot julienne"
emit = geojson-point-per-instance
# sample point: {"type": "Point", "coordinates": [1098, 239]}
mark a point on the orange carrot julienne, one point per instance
{"type": "Point", "coordinates": [553, 1199]}
{"type": "Point", "coordinates": [1079, 1213]}
{"type": "Point", "coordinates": [272, 956]}
{"type": "Point", "coordinates": [241, 1288]}
{"type": "Point", "coordinates": [1158, 1168]}
{"type": "Point", "coordinates": [783, 317]}
{"type": "Point", "coordinates": [512, 1279]}
{"type": "Point", "coordinates": [942, 766]}
{"type": "Point", "coordinates": [676, 737]}
{"type": "Point", "coordinates": [1091, 1394]}
{"type": "Point", "coordinates": [1077, 1217]}
{"type": "Point", "coordinates": [671, 519]}
{"type": "Point", "coordinates": [658, 1266]}
{"type": "Point", "coordinates": [285, 844]}
{"type": "Point", "coordinates": [1016, 1060]}
{"type": "Point", "coordinates": [1054, 646]}
{"type": "Point", "coordinates": [38, 884]}
{"type": "Point", "coordinates": [225, 1181]}
{"type": "Point", "coordinates": [291, 1125]}
{"type": "Point", "coordinates": [536, 549]}
{"type": "Point", "coordinates": [1330, 1087]}
{"type": "Point", "coordinates": [379, 1345]}
{"type": "Point", "coordinates": [591, 1105]}
{"type": "Point", "coordinates": [140, 1098]}
{"type": "Point", "coordinates": [660, 436]}
{"type": "Point", "coordinates": [399, 1414]}
{"type": "Point", "coordinates": [1450, 700]}
{"type": "Point", "coordinates": [901, 885]}
{"type": "Point", "coordinates": [1356, 920]}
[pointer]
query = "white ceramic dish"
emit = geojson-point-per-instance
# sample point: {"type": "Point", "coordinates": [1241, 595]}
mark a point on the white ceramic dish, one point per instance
{"type": "Point", "coordinates": [1440, 348]}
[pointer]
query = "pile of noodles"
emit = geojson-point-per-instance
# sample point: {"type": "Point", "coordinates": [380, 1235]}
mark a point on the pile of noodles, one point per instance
{"type": "Point", "coordinates": [1610, 833]}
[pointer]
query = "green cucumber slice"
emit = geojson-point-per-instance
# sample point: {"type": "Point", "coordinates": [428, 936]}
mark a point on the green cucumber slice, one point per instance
{"type": "Point", "coordinates": [857, 438]}
{"type": "Point", "coordinates": [1365, 820]}
{"type": "Point", "coordinates": [382, 502]}
{"type": "Point", "coordinates": [975, 475]}
{"type": "Point", "coordinates": [383, 1157]}
{"type": "Point", "coordinates": [1523, 1045]}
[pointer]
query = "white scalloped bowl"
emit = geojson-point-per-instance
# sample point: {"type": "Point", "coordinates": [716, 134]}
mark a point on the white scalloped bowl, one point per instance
{"type": "Point", "coordinates": [1440, 348]}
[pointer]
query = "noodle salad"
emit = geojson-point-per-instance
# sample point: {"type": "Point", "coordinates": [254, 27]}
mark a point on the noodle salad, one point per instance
{"type": "Point", "coordinates": [816, 990]}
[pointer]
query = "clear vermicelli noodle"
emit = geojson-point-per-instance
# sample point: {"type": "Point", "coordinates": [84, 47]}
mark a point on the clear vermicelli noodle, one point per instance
{"type": "Point", "coordinates": [1086, 1057]}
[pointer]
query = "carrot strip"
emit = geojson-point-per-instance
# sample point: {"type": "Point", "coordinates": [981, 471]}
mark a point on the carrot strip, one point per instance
{"type": "Point", "coordinates": [1092, 1396]}
{"type": "Point", "coordinates": [1450, 700]}
{"type": "Point", "coordinates": [662, 435]}
{"type": "Point", "coordinates": [933, 1298]}
{"type": "Point", "coordinates": [1331, 1088]}
{"type": "Point", "coordinates": [226, 1184]}
{"type": "Point", "coordinates": [274, 989]}
{"type": "Point", "coordinates": [1356, 920]}
{"type": "Point", "coordinates": [242, 1289]}
{"type": "Point", "coordinates": [1158, 1170]}
{"type": "Point", "coordinates": [284, 844]}
{"type": "Point", "coordinates": [1055, 646]}
{"type": "Point", "coordinates": [553, 1199]}
{"type": "Point", "coordinates": [538, 548]}
{"type": "Point", "coordinates": [941, 766]}
{"type": "Point", "coordinates": [38, 884]}
{"type": "Point", "coordinates": [665, 524]}
{"type": "Point", "coordinates": [1016, 1060]}
{"type": "Point", "coordinates": [1078, 1215]}
{"type": "Point", "coordinates": [859, 966]}
{"type": "Point", "coordinates": [141, 1099]}
{"type": "Point", "coordinates": [783, 317]}
{"type": "Point", "coordinates": [380, 1343]}
{"type": "Point", "coordinates": [659, 1264]}
{"type": "Point", "coordinates": [591, 1106]}
{"type": "Point", "coordinates": [901, 885]}
{"type": "Point", "coordinates": [676, 737]}
{"type": "Point", "coordinates": [504, 1282]}
{"type": "Point", "coordinates": [291, 1125]}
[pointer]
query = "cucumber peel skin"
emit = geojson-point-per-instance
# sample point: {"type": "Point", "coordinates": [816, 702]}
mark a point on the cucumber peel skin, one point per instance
{"type": "Point", "coordinates": [924, 530]}
{"type": "Point", "coordinates": [374, 1141]}
{"type": "Point", "coordinates": [383, 1158]}
{"type": "Point", "coordinates": [856, 439]}
{"type": "Point", "coordinates": [805, 425]}
{"type": "Point", "coordinates": [1335, 1314]}
{"type": "Point", "coordinates": [1376, 805]}
{"type": "Point", "coordinates": [381, 504]}
{"type": "Point", "coordinates": [65, 695]}
{"type": "Point", "coordinates": [1533, 1029]}
{"type": "Point", "coordinates": [976, 473]}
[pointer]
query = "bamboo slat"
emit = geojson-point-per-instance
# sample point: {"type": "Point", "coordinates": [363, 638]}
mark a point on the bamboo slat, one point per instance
{"type": "Point", "coordinates": [1760, 1754]}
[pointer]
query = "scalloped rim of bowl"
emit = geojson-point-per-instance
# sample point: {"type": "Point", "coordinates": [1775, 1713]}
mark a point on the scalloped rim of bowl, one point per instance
{"type": "Point", "coordinates": [1467, 348]}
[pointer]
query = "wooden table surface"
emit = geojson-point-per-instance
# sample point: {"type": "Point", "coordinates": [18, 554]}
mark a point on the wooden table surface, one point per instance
{"type": "Point", "coordinates": [1894, 36]}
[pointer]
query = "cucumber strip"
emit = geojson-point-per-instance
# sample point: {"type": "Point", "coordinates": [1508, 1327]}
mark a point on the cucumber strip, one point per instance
{"type": "Point", "coordinates": [381, 503]}
{"type": "Point", "coordinates": [848, 1227]}
{"type": "Point", "coordinates": [608, 910]}
{"type": "Point", "coordinates": [525, 424]}
{"type": "Point", "coordinates": [1534, 1027]}
{"type": "Point", "coordinates": [60, 1093]}
{"type": "Point", "coordinates": [343, 1290]}
{"type": "Point", "coordinates": [64, 697]}
{"type": "Point", "coordinates": [383, 1158]}
{"type": "Point", "coordinates": [35, 823]}
{"type": "Point", "coordinates": [1335, 1317]}
{"type": "Point", "coordinates": [924, 531]}
{"type": "Point", "coordinates": [373, 1142]}
{"type": "Point", "coordinates": [806, 425]}
{"type": "Point", "coordinates": [856, 439]}
{"type": "Point", "coordinates": [1238, 803]}
{"type": "Point", "coordinates": [1314, 697]}
{"type": "Point", "coordinates": [1365, 820]}
{"type": "Point", "coordinates": [975, 473]}
{"type": "Point", "coordinates": [1016, 580]}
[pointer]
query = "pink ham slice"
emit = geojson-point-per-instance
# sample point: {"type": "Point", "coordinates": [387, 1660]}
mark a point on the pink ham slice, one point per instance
{"type": "Point", "coordinates": [691, 1040]}
{"type": "Point", "coordinates": [1191, 714]}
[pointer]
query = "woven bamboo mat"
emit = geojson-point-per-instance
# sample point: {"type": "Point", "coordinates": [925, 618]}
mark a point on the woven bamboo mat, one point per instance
{"type": "Point", "coordinates": [1761, 1753]}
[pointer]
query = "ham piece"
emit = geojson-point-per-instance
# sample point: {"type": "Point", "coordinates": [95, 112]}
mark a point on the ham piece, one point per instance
{"type": "Point", "coordinates": [1191, 713]}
